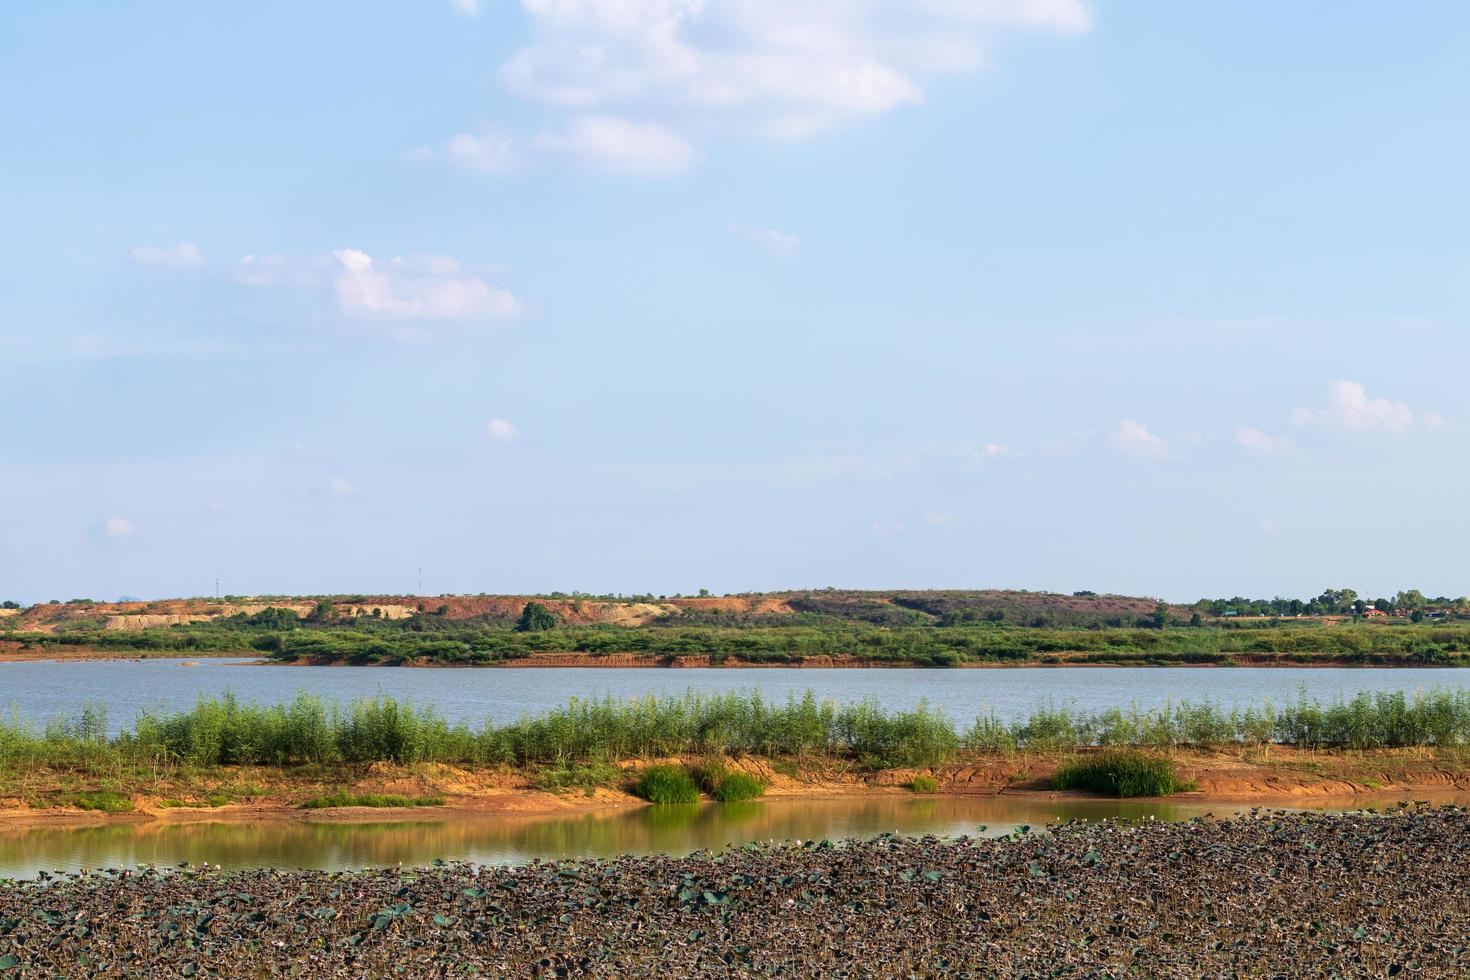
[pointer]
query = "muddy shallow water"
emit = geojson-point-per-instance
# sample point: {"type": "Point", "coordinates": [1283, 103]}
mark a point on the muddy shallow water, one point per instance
{"type": "Point", "coordinates": [673, 830]}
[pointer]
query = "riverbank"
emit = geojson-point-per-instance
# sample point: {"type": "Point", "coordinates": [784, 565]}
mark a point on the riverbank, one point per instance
{"type": "Point", "coordinates": [1277, 775]}
{"type": "Point", "coordinates": [11, 652]}
{"type": "Point", "coordinates": [1273, 893]}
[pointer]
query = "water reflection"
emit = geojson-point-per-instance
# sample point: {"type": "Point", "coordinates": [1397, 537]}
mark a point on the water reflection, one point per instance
{"type": "Point", "coordinates": [644, 830]}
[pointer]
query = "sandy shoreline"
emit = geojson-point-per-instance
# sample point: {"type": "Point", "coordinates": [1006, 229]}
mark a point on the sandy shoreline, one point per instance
{"type": "Point", "coordinates": [1281, 776]}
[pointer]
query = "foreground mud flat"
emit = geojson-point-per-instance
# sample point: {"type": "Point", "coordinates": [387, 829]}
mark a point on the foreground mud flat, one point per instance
{"type": "Point", "coordinates": [1269, 894]}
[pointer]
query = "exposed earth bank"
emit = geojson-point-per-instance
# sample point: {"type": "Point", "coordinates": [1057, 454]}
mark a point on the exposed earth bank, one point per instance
{"type": "Point", "coordinates": [1276, 776]}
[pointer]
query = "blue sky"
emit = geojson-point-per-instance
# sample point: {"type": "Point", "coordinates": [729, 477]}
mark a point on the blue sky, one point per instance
{"type": "Point", "coordinates": [656, 295]}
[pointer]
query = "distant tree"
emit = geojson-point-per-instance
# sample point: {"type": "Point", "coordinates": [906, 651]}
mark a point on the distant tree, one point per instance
{"type": "Point", "coordinates": [275, 619]}
{"type": "Point", "coordinates": [1410, 599]}
{"type": "Point", "coordinates": [324, 612]}
{"type": "Point", "coordinates": [1383, 605]}
{"type": "Point", "coordinates": [1161, 616]}
{"type": "Point", "coordinates": [535, 618]}
{"type": "Point", "coordinates": [704, 593]}
{"type": "Point", "coordinates": [9, 604]}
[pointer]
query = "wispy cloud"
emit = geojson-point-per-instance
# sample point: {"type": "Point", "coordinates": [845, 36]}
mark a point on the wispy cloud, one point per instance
{"type": "Point", "coordinates": [501, 431]}
{"type": "Point", "coordinates": [1134, 439]}
{"type": "Point", "coordinates": [470, 8]}
{"type": "Point", "coordinates": [412, 287]}
{"type": "Point", "coordinates": [113, 528]}
{"type": "Point", "coordinates": [1249, 437]}
{"type": "Point", "coordinates": [778, 244]}
{"type": "Point", "coordinates": [181, 257]}
{"type": "Point", "coordinates": [427, 288]}
{"type": "Point", "coordinates": [598, 143]}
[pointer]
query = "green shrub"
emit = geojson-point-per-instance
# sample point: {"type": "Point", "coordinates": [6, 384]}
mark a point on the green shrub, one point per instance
{"type": "Point", "coordinates": [574, 775]}
{"type": "Point", "coordinates": [737, 786]}
{"type": "Point", "coordinates": [924, 784]}
{"type": "Point", "coordinates": [102, 800]}
{"type": "Point", "coordinates": [342, 798]}
{"type": "Point", "coordinates": [667, 784]}
{"type": "Point", "coordinates": [1121, 773]}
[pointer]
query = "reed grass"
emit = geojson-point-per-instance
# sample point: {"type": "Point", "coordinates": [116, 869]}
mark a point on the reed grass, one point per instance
{"type": "Point", "coordinates": [225, 732]}
{"type": "Point", "coordinates": [343, 798]}
{"type": "Point", "coordinates": [1120, 772]}
{"type": "Point", "coordinates": [667, 784]}
{"type": "Point", "coordinates": [736, 787]}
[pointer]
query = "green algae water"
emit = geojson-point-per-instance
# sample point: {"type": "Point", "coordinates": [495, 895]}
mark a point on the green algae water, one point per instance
{"type": "Point", "coordinates": [675, 830]}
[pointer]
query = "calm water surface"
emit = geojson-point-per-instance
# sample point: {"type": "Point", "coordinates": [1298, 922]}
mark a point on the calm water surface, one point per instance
{"type": "Point", "coordinates": [514, 840]}
{"type": "Point", "coordinates": [43, 690]}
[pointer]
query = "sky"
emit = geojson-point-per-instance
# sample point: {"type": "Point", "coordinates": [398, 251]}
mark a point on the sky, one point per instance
{"type": "Point", "coordinates": [659, 295]}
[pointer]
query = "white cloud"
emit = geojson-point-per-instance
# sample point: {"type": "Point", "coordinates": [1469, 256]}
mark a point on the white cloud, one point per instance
{"type": "Point", "coordinates": [612, 144]}
{"type": "Point", "coordinates": [993, 449]}
{"type": "Point", "coordinates": [645, 79]}
{"type": "Point", "coordinates": [339, 486]}
{"type": "Point", "coordinates": [412, 287]}
{"type": "Point", "coordinates": [114, 528]}
{"type": "Point", "coordinates": [282, 270]}
{"type": "Point", "coordinates": [1434, 420]}
{"type": "Point", "coordinates": [1350, 409]}
{"type": "Point", "coordinates": [501, 431]}
{"type": "Point", "coordinates": [778, 244]}
{"type": "Point", "coordinates": [600, 143]}
{"type": "Point", "coordinates": [182, 257]}
{"type": "Point", "coordinates": [937, 519]}
{"type": "Point", "coordinates": [489, 152]}
{"type": "Point", "coordinates": [416, 288]}
{"type": "Point", "coordinates": [1134, 439]}
{"type": "Point", "coordinates": [1248, 437]}
{"type": "Point", "coordinates": [470, 8]}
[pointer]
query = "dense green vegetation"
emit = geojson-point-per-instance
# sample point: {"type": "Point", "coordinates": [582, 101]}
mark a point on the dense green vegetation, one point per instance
{"type": "Point", "coordinates": [926, 628]}
{"type": "Point", "coordinates": [1399, 643]}
{"type": "Point", "coordinates": [1410, 603]}
{"type": "Point", "coordinates": [343, 798]}
{"type": "Point", "coordinates": [666, 784]}
{"type": "Point", "coordinates": [736, 787]}
{"type": "Point", "coordinates": [924, 784]}
{"type": "Point", "coordinates": [579, 742]}
{"type": "Point", "coordinates": [1120, 772]}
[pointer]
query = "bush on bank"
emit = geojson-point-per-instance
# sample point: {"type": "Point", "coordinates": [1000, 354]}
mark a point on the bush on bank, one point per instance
{"type": "Point", "coordinates": [1120, 772]}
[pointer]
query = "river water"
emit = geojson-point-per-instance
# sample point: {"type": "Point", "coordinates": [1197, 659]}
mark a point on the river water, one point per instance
{"type": "Point", "coordinates": [39, 691]}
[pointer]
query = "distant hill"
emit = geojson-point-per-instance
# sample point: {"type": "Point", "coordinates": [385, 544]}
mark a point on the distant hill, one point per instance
{"type": "Point", "coordinates": [899, 607]}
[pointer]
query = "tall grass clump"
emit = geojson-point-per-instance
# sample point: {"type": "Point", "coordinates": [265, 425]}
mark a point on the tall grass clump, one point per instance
{"type": "Point", "coordinates": [667, 784]}
{"type": "Point", "coordinates": [1120, 772]}
{"type": "Point", "coordinates": [736, 787]}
